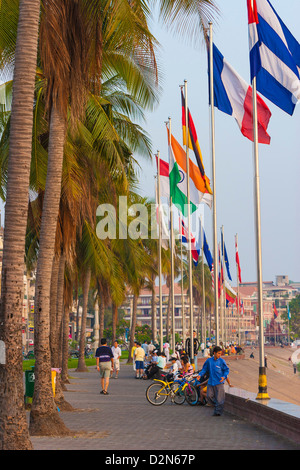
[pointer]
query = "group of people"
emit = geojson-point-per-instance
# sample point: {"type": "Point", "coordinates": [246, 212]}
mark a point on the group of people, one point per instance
{"type": "Point", "coordinates": [210, 379]}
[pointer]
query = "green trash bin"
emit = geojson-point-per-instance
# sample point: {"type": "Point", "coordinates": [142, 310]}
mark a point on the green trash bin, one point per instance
{"type": "Point", "coordinates": [29, 384]}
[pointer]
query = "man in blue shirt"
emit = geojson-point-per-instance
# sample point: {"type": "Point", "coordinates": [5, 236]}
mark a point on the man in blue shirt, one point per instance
{"type": "Point", "coordinates": [218, 371]}
{"type": "Point", "coordinates": [105, 362]}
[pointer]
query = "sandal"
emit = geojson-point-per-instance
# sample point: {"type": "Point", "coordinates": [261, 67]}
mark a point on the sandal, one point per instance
{"type": "Point", "coordinates": [105, 392]}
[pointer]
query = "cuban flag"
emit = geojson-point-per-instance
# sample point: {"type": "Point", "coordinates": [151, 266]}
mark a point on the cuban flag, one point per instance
{"type": "Point", "coordinates": [185, 239]}
{"type": "Point", "coordinates": [233, 96]}
{"type": "Point", "coordinates": [274, 56]}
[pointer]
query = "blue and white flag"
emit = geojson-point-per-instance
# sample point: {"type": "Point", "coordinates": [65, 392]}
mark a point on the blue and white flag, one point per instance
{"type": "Point", "coordinates": [205, 247]}
{"type": "Point", "coordinates": [274, 56]}
{"type": "Point", "coordinates": [225, 256]}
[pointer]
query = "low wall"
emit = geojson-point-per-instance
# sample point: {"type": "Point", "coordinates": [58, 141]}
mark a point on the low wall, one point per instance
{"type": "Point", "coordinates": [278, 416]}
{"type": "Point", "coordinates": [275, 415]}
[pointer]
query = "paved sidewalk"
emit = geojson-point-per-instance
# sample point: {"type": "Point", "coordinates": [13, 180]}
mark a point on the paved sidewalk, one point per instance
{"type": "Point", "coordinates": [124, 420]}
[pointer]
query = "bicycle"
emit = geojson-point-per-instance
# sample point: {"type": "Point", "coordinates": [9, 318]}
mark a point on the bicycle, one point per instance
{"type": "Point", "coordinates": [178, 390]}
{"type": "Point", "coordinates": [158, 392]}
{"type": "Point", "coordinates": [190, 391]}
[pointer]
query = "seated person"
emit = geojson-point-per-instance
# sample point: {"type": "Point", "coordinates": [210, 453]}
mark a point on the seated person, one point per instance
{"type": "Point", "coordinates": [186, 367]}
{"type": "Point", "coordinates": [158, 366]}
{"type": "Point", "coordinates": [174, 368]}
{"type": "Point", "coordinates": [201, 384]}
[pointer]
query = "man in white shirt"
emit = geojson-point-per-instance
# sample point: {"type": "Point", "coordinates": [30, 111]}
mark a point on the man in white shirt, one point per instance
{"type": "Point", "coordinates": [116, 350]}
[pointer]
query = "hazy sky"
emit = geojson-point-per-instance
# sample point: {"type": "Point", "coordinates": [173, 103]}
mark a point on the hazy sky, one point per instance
{"type": "Point", "coordinates": [279, 162]}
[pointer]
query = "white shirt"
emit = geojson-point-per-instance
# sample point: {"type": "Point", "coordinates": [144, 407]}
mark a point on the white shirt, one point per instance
{"type": "Point", "coordinates": [116, 352]}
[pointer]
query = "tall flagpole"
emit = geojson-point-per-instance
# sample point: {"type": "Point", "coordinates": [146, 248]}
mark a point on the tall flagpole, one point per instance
{"type": "Point", "coordinates": [172, 256]}
{"type": "Point", "coordinates": [262, 381]}
{"type": "Point", "coordinates": [238, 292]}
{"type": "Point", "coordinates": [224, 338]}
{"type": "Point", "coordinates": [182, 292]}
{"type": "Point", "coordinates": [215, 244]}
{"type": "Point", "coordinates": [203, 287]}
{"type": "Point", "coordinates": [189, 229]}
{"type": "Point", "coordinates": [159, 255]}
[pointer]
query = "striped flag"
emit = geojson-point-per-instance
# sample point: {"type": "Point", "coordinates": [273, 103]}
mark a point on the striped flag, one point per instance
{"type": "Point", "coordinates": [237, 259]}
{"type": "Point", "coordinates": [275, 311]}
{"type": "Point", "coordinates": [178, 179]}
{"type": "Point", "coordinates": [193, 143]}
{"type": "Point", "coordinates": [163, 177]}
{"type": "Point", "coordinates": [185, 239]}
{"type": "Point", "coordinates": [233, 96]}
{"type": "Point", "coordinates": [274, 56]}
{"type": "Point", "coordinates": [165, 236]}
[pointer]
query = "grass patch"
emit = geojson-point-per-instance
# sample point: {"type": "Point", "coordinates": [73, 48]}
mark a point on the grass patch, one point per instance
{"type": "Point", "coordinates": [72, 363]}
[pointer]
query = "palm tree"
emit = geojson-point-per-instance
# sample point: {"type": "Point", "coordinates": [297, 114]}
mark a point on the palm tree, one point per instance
{"type": "Point", "coordinates": [13, 426]}
{"type": "Point", "coordinates": [56, 105]}
{"type": "Point", "coordinates": [66, 65]}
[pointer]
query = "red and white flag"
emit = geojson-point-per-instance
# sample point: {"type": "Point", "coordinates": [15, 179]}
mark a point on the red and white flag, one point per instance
{"type": "Point", "coordinates": [237, 259]}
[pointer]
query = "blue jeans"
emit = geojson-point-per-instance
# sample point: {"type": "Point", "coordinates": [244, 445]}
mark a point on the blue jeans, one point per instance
{"type": "Point", "coordinates": [216, 396]}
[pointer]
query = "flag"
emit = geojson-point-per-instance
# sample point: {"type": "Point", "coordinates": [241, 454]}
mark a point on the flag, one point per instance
{"type": "Point", "coordinates": [274, 56]}
{"type": "Point", "coordinates": [275, 311]}
{"type": "Point", "coordinates": [193, 143]}
{"type": "Point", "coordinates": [178, 180]}
{"type": "Point", "coordinates": [237, 259]}
{"type": "Point", "coordinates": [225, 256]}
{"type": "Point", "coordinates": [207, 252]}
{"type": "Point", "coordinates": [164, 231]}
{"type": "Point", "coordinates": [233, 96]}
{"type": "Point", "coordinates": [288, 312]}
{"type": "Point", "coordinates": [163, 177]}
{"type": "Point", "coordinates": [185, 239]}
{"type": "Point", "coordinates": [221, 273]}
{"type": "Point", "coordinates": [229, 293]}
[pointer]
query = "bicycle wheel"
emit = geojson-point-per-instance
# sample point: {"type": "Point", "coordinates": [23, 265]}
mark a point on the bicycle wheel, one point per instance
{"type": "Point", "coordinates": [156, 394]}
{"type": "Point", "coordinates": [179, 396]}
{"type": "Point", "coordinates": [191, 394]}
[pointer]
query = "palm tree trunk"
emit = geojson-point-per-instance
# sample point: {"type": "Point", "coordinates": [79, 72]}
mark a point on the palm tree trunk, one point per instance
{"type": "Point", "coordinates": [59, 311]}
{"type": "Point", "coordinates": [168, 316]}
{"type": "Point", "coordinates": [133, 324]}
{"type": "Point", "coordinates": [77, 321]}
{"type": "Point", "coordinates": [65, 347]}
{"type": "Point", "coordinates": [153, 310]}
{"type": "Point", "coordinates": [86, 286]}
{"type": "Point", "coordinates": [53, 304]}
{"type": "Point", "coordinates": [13, 425]}
{"type": "Point", "coordinates": [44, 417]}
{"type": "Point", "coordinates": [101, 318]}
{"type": "Point", "coordinates": [114, 321]}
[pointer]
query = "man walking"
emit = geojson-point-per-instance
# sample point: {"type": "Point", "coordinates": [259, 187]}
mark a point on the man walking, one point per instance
{"type": "Point", "coordinates": [104, 357]}
{"type": "Point", "coordinates": [116, 350]}
{"type": "Point", "coordinates": [218, 371]}
{"type": "Point", "coordinates": [139, 361]}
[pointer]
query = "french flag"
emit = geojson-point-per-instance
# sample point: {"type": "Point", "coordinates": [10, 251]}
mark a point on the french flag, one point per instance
{"type": "Point", "coordinates": [274, 56]}
{"type": "Point", "coordinates": [185, 239]}
{"type": "Point", "coordinates": [233, 96]}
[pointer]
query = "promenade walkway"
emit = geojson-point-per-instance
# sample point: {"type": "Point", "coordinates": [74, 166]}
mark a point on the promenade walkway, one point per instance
{"type": "Point", "coordinates": [125, 421]}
